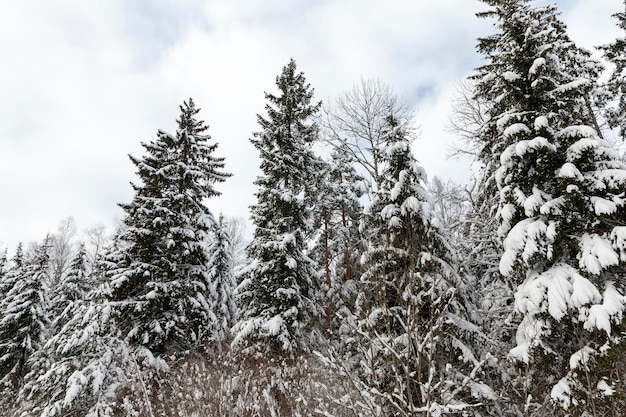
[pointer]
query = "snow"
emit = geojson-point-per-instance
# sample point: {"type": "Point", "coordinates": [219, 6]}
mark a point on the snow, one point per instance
{"type": "Point", "coordinates": [572, 188]}
{"type": "Point", "coordinates": [559, 292]}
{"type": "Point", "coordinates": [618, 240]}
{"type": "Point", "coordinates": [602, 206]}
{"type": "Point", "coordinates": [521, 352]}
{"type": "Point", "coordinates": [600, 315]}
{"type": "Point", "coordinates": [576, 150]}
{"type": "Point", "coordinates": [397, 147]}
{"type": "Point", "coordinates": [533, 202]}
{"type": "Point", "coordinates": [598, 318]}
{"type": "Point", "coordinates": [389, 211]}
{"type": "Point", "coordinates": [538, 63]}
{"type": "Point", "coordinates": [605, 388]}
{"type": "Point", "coordinates": [291, 263]}
{"type": "Point", "coordinates": [515, 129]}
{"type": "Point", "coordinates": [410, 205]}
{"type": "Point", "coordinates": [553, 206]}
{"type": "Point", "coordinates": [506, 214]}
{"type": "Point", "coordinates": [541, 122]}
{"type": "Point", "coordinates": [75, 384]}
{"type": "Point", "coordinates": [569, 170]}
{"type": "Point", "coordinates": [529, 236]}
{"type": "Point", "coordinates": [510, 76]}
{"type": "Point", "coordinates": [513, 243]}
{"type": "Point", "coordinates": [561, 393]}
{"type": "Point", "coordinates": [581, 357]}
{"type": "Point", "coordinates": [572, 85]}
{"type": "Point", "coordinates": [614, 301]}
{"type": "Point", "coordinates": [614, 178]}
{"type": "Point", "coordinates": [289, 239]}
{"type": "Point", "coordinates": [596, 254]}
{"type": "Point", "coordinates": [584, 291]}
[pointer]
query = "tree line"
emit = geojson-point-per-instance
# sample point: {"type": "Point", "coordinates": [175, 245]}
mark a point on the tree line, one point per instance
{"type": "Point", "coordinates": [365, 291]}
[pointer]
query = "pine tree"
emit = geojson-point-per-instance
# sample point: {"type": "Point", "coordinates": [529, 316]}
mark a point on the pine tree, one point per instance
{"type": "Point", "coordinates": [24, 319]}
{"type": "Point", "coordinates": [161, 281]}
{"type": "Point", "coordinates": [562, 209]}
{"type": "Point", "coordinates": [615, 53]}
{"type": "Point", "coordinates": [221, 276]}
{"type": "Point", "coordinates": [278, 294]}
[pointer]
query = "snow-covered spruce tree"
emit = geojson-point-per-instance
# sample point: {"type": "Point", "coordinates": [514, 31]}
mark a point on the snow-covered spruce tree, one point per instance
{"type": "Point", "coordinates": [411, 319]}
{"type": "Point", "coordinates": [24, 320]}
{"type": "Point", "coordinates": [562, 209]}
{"type": "Point", "coordinates": [88, 369]}
{"type": "Point", "coordinates": [222, 279]}
{"type": "Point", "coordinates": [12, 271]}
{"type": "Point", "coordinates": [502, 84]}
{"type": "Point", "coordinates": [161, 282]}
{"type": "Point", "coordinates": [4, 266]}
{"type": "Point", "coordinates": [278, 296]}
{"type": "Point", "coordinates": [74, 285]}
{"type": "Point", "coordinates": [338, 246]}
{"type": "Point", "coordinates": [615, 53]}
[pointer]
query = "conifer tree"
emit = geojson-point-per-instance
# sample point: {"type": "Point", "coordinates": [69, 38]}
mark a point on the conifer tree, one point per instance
{"type": "Point", "coordinates": [339, 246]}
{"type": "Point", "coordinates": [222, 278]}
{"type": "Point", "coordinates": [562, 208]}
{"type": "Point", "coordinates": [24, 319]}
{"type": "Point", "coordinates": [615, 53]}
{"type": "Point", "coordinates": [278, 294]}
{"type": "Point", "coordinates": [74, 285]}
{"type": "Point", "coordinates": [411, 318]}
{"type": "Point", "coordinates": [160, 285]}
{"type": "Point", "coordinates": [3, 271]}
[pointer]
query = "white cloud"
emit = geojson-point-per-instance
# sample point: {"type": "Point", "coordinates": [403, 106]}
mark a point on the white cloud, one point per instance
{"type": "Point", "coordinates": [84, 82]}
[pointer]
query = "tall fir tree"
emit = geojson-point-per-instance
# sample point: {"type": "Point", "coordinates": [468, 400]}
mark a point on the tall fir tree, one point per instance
{"type": "Point", "coordinates": [562, 208]}
{"type": "Point", "coordinates": [278, 294]}
{"type": "Point", "coordinates": [161, 283]}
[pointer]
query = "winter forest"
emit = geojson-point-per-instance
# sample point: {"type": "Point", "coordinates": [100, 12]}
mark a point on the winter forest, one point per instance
{"type": "Point", "coordinates": [365, 290]}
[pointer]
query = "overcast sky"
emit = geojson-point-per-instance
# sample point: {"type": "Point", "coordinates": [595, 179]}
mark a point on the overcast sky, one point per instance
{"type": "Point", "coordinates": [82, 83]}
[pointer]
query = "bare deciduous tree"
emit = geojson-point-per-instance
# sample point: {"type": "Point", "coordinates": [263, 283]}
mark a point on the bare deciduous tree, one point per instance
{"type": "Point", "coordinates": [96, 239]}
{"type": "Point", "coordinates": [468, 116]}
{"type": "Point", "coordinates": [62, 247]}
{"type": "Point", "coordinates": [236, 230]}
{"type": "Point", "coordinates": [356, 122]}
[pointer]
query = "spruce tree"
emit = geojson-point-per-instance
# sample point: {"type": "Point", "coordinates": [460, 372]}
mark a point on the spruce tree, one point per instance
{"type": "Point", "coordinates": [3, 271]}
{"type": "Point", "coordinates": [411, 317]}
{"type": "Point", "coordinates": [222, 278]}
{"type": "Point", "coordinates": [339, 246]}
{"type": "Point", "coordinates": [615, 53]}
{"type": "Point", "coordinates": [561, 211]}
{"type": "Point", "coordinates": [24, 319]}
{"type": "Point", "coordinates": [278, 294]}
{"type": "Point", "coordinates": [74, 285]}
{"type": "Point", "coordinates": [160, 284]}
